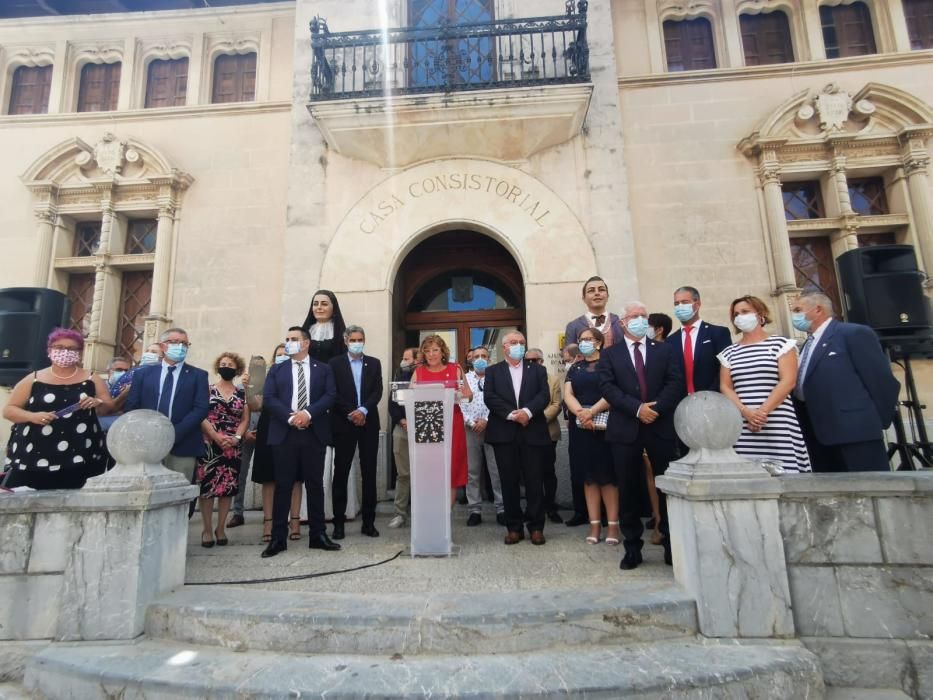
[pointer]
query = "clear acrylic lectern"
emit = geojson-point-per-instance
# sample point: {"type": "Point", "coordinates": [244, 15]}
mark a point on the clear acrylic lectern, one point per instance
{"type": "Point", "coordinates": [429, 410]}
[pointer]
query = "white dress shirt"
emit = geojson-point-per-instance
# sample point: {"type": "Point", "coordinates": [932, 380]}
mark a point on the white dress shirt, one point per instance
{"type": "Point", "coordinates": [517, 371]}
{"type": "Point", "coordinates": [814, 340]}
{"type": "Point", "coordinates": [630, 344]}
{"type": "Point", "coordinates": [306, 367]}
{"type": "Point", "coordinates": [175, 375]}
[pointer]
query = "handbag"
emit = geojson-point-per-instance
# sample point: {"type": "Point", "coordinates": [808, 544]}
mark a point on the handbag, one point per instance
{"type": "Point", "coordinates": [600, 420]}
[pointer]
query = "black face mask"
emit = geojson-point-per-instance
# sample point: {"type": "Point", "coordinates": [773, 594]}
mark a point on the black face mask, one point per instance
{"type": "Point", "coordinates": [227, 373]}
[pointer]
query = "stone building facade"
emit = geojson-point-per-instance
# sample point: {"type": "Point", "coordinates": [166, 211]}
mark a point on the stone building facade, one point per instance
{"type": "Point", "coordinates": [738, 146]}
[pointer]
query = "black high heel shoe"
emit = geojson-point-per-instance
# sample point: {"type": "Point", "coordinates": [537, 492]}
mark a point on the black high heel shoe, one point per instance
{"type": "Point", "coordinates": [208, 544]}
{"type": "Point", "coordinates": [266, 537]}
{"type": "Point", "coordinates": [221, 541]}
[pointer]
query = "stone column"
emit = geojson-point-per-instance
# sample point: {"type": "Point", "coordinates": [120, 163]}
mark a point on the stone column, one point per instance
{"type": "Point", "coordinates": [916, 165]}
{"type": "Point", "coordinates": [769, 176]}
{"type": "Point", "coordinates": [130, 536]}
{"type": "Point", "coordinates": [158, 306]}
{"type": "Point", "coordinates": [45, 235]}
{"type": "Point", "coordinates": [725, 529]}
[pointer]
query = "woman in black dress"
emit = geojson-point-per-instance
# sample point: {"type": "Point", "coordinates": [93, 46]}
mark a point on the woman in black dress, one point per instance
{"type": "Point", "coordinates": [57, 442]}
{"type": "Point", "coordinates": [591, 454]}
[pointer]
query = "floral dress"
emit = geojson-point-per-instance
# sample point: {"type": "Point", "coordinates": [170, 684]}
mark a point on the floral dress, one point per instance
{"type": "Point", "coordinates": [218, 471]}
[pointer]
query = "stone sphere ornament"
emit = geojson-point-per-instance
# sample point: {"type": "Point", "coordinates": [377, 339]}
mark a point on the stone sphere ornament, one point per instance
{"type": "Point", "coordinates": [707, 419]}
{"type": "Point", "coordinates": [141, 437]}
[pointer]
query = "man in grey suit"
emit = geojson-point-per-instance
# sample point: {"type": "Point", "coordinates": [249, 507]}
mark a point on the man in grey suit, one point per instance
{"type": "Point", "coordinates": [596, 298]}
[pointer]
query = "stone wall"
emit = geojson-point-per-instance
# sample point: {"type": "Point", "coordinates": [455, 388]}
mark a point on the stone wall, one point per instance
{"type": "Point", "coordinates": [860, 563]}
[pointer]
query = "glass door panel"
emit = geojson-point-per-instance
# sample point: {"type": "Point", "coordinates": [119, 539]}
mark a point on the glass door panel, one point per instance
{"type": "Point", "coordinates": [448, 334]}
{"type": "Point", "coordinates": [491, 338]}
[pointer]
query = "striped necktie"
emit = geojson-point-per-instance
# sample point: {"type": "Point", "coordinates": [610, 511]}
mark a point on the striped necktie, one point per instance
{"type": "Point", "coordinates": [802, 372]}
{"type": "Point", "coordinates": [302, 387]}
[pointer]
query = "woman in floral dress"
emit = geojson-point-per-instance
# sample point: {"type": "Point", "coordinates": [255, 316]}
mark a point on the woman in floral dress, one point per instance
{"type": "Point", "coordinates": [218, 471]}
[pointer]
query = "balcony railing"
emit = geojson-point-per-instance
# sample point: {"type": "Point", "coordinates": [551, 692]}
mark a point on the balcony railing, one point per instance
{"type": "Point", "coordinates": [450, 57]}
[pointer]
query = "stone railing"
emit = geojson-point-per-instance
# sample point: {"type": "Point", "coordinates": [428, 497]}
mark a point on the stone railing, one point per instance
{"type": "Point", "coordinates": [85, 564]}
{"type": "Point", "coordinates": [844, 562]}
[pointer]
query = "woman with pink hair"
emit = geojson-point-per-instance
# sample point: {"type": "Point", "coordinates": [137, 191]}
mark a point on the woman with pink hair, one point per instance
{"type": "Point", "coordinates": [56, 441]}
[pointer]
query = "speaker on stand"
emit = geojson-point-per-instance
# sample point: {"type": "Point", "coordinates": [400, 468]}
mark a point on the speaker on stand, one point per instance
{"type": "Point", "coordinates": [883, 289]}
{"type": "Point", "coordinates": [27, 316]}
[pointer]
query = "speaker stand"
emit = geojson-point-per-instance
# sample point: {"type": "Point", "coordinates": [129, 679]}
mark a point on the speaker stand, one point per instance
{"type": "Point", "coordinates": [916, 454]}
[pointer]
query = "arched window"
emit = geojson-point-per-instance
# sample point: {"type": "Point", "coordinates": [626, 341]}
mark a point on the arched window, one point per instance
{"type": "Point", "coordinates": [847, 30]}
{"type": "Point", "coordinates": [688, 44]}
{"type": "Point", "coordinates": [234, 78]}
{"type": "Point", "coordinates": [766, 38]}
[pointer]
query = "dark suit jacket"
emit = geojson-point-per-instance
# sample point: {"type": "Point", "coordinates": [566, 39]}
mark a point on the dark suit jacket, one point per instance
{"type": "Point", "coordinates": [850, 391]}
{"type": "Point", "coordinates": [277, 400]}
{"type": "Point", "coordinates": [711, 340]}
{"type": "Point", "coordinates": [619, 384]}
{"type": "Point", "coordinates": [580, 324]}
{"type": "Point", "coordinates": [499, 396]}
{"type": "Point", "coordinates": [397, 410]}
{"type": "Point", "coordinates": [370, 392]}
{"type": "Point", "coordinates": [189, 407]}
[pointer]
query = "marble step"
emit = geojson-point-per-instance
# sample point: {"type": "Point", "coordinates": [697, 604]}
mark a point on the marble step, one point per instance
{"type": "Point", "coordinates": [440, 623]}
{"type": "Point", "coordinates": [158, 670]}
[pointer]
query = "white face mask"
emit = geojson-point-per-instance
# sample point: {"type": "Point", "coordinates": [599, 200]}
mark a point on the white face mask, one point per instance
{"type": "Point", "coordinates": [746, 322]}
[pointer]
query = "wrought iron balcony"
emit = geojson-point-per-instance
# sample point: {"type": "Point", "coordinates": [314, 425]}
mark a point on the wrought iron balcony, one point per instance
{"type": "Point", "coordinates": [450, 57]}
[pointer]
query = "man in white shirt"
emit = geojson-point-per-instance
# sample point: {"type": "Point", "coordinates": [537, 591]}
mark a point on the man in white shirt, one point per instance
{"type": "Point", "coordinates": [475, 418]}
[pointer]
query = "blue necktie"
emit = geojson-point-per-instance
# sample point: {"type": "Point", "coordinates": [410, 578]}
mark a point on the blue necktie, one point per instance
{"type": "Point", "coordinates": [165, 398]}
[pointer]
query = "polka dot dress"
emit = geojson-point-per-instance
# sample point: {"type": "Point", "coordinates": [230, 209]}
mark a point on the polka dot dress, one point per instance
{"type": "Point", "coordinates": [64, 453]}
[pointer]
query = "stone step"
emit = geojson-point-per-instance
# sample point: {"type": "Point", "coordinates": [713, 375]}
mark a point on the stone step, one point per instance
{"type": "Point", "coordinates": [438, 623]}
{"type": "Point", "coordinates": [157, 670]}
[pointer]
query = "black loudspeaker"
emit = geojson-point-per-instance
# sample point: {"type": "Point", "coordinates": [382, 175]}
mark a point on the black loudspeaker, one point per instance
{"type": "Point", "coordinates": [27, 316]}
{"type": "Point", "coordinates": [884, 289]}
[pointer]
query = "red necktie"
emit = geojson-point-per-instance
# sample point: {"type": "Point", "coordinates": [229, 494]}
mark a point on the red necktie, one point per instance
{"type": "Point", "coordinates": [688, 359]}
{"type": "Point", "coordinates": [640, 372]}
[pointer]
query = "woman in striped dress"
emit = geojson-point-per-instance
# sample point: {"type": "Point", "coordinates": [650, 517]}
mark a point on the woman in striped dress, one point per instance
{"type": "Point", "coordinates": [758, 374]}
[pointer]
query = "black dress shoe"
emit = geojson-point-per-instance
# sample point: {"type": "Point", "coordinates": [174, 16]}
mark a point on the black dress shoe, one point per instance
{"type": "Point", "coordinates": [576, 520]}
{"type": "Point", "coordinates": [273, 549]}
{"type": "Point", "coordinates": [630, 561]}
{"type": "Point", "coordinates": [554, 516]}
{"type": "Point", "coordinates": [369, 530]}
{"type": "Point", "coordinates": [500, 518]}
{"type": "Point", "coordinates": [475, 519]}
{"type": "Point", "coordinates": [338, 531]}
{"type": "Point", "coordinates": [324, 542]}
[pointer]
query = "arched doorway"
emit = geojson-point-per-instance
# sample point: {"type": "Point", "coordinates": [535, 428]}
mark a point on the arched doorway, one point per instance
{"type": "Point", "coordinates": [462, 285]}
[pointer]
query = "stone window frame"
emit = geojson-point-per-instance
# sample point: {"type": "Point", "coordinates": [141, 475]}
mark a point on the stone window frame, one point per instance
{"type": "Point", "coordinates": [158, 49]}
{"type": "Point", "coordinates": [29, 55]}
{"type": "Point", "coordinates": [216, 45]}
{"type": "Point", "coordinates": [885, 132]}
{"type": "Point", "coordinates": [677, 10]}
{"type": "Point", "coordinates": [79, 55]}
{"type": "Point", "coordinates": [795, 21]}
{"type": "Point", "coordinates": [119, 180]}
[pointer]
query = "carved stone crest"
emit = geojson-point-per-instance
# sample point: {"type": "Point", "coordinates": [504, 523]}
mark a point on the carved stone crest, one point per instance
{"type": "Point", "coordinates": [109, 154]}
{"type": "Point", "coordinates": [833, 107]}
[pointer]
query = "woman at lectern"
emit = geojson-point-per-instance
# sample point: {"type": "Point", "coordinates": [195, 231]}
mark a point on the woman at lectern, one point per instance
{"type": "Point", "coordinates": [436, 367]}
{"type": "Point", "coordinates": [57, 442]}
{"type": "Point", "coordinates": [325, 325]}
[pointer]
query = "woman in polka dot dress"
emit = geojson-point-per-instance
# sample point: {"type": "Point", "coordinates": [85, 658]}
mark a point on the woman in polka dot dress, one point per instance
{"type": "Point", "coordinates": [56, 441]}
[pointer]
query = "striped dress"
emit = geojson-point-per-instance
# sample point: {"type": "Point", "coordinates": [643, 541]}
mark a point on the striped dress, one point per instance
{"type": "Point", "coordinates": [754, 371]}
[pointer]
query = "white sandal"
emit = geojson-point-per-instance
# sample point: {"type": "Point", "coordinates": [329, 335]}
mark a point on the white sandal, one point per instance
{"type": "Point", "coordinates": [612, 541]}
{"type": "Point", "coordinates": [589, 539]}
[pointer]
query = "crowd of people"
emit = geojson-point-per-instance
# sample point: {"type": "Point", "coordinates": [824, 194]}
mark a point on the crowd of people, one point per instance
{"type": "Point", "coordinates": [823, 408]}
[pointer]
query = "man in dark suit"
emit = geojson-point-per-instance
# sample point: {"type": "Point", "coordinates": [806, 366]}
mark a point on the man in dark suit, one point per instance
{"type": "Point", "coordinates": [697, 343]}
{"type": "Point", "coordinates": [596, 297]}
{"type": "Point", "coordinates": [179, 391]}
{"type": "Point", "coordinates": [355, 422]}
{"type": "Point", "coordinates": [846, 394]}
{"type": "Point", "coordinates": [516, 393]}
{"type": "Point", "coordinates": [642, 382]}
{"type": "Point", "coordinates": [298, 396]}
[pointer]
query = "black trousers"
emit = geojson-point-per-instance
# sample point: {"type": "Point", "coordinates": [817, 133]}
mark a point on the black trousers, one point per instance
{"type": "Point", "coordinates": [549, 477]}
{"type": "Point", "coordinates": [630, 474]}
{"type": "Point", "coordinates": [366, 439]}
{"type": "Point", "coordinates": [862, 456]}
{"type": "Point", "coordinates": [518, 461]}
{"type": "Point", "coordinates": [300, 457]}
{"type": "Point", "coordinates": [576, 472]}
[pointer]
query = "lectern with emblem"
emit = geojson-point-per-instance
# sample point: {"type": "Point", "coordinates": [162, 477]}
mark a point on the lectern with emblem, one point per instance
{"type": "Point", "coordinates": [429, 409]}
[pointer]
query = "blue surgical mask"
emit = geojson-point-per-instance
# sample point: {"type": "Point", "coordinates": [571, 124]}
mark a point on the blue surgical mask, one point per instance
{"type": "Point", "coordinates": [292, 347]}
{"type": "Point", "coordinates": [480, 364]}
{"type": "Point", "coordinates": [516, 352]}
{"type": "Point", "coordinates": [801, 322]}
{"type": "Point", "coordinates": [149, 358]}
{"type": "Point", "coordinates": [638, 326]}
{"type": "Point", "coordinates": [683, 312]}
{"type": "Point", "coordinates": [176, 352]}
{"type": "Point", "coordinates": [587, 347]}
{"type": "Point", "coordinates": [355, 348]}
{"type": "Point", "coordinates": [115, 376]}
{"type": "Point", "coordinates": [279, 359]}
